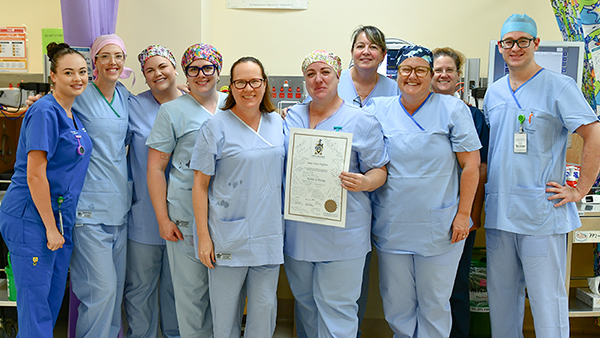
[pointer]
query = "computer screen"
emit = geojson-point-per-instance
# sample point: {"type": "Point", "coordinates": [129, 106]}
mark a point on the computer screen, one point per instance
{"type": "Point", "coordinates": [558, 56]}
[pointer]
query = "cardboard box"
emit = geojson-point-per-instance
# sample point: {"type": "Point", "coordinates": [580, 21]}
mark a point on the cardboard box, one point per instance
{"type": "Point", "coordinates": [585, 295]}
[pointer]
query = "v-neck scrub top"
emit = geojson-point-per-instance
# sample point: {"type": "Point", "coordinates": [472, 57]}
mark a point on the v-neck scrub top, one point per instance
{"type": "Point", "coordinates": [175, 132]}
{"type": "Point", "coordinates": [46, 127]}
{"type": "Point", "coordinates": [245, 218]}
{"type": "Point", "coordinates": [315, 242]}
{"type": "Point", "coordinates": [516, 197]}
{"type": "Point", "coordinates": [106, 195]}
{"type": "Point", "coordinates": [414, 210]}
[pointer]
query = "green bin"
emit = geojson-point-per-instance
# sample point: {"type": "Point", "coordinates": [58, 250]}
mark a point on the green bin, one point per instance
{"type": "Point", "coordinates": [480, 311]}
{"type": "Point", "coordinates": [11, 287]}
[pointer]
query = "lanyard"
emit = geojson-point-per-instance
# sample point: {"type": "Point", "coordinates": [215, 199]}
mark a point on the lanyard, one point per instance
{"type": "Point", "coordinates": [521, 86]}
{"type": "Point", "coordinates": [105, 100]}
{"type": "Point", "coordinates": [411, 116]}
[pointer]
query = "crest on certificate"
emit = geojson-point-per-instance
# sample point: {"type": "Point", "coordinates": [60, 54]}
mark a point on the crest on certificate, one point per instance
{"type": "Point", "coordinates": [319, 147]}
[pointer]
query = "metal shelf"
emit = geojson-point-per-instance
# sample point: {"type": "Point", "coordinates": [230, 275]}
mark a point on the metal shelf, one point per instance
{"type": "Point", "coordinates": [589, 232]}
{"type": "Point", "coordinates": [4, 295]}
{"type": "Point", "coordinates": [578, 308]}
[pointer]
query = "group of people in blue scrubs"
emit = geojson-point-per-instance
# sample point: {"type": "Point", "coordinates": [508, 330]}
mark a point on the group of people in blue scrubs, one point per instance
{"type": "Point", "coordinates": [189, 225]}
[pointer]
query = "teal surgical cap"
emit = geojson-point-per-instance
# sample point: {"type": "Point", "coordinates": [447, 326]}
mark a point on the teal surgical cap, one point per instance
{"type": "Point", "coordinates": [519, 23]}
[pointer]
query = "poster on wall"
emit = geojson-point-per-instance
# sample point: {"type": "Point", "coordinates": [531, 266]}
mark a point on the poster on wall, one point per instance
{"type": "Point", "coordinates": [13, 49]}
{"type": "Point", "coordinates": [51, 35]}
{"type": "Point", "coordinates": [580, 21]}
{"type": "Point", "coordinates": [269, 4]}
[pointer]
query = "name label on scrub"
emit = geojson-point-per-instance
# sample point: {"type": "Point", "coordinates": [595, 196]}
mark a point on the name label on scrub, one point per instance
{"type": "Point", "coordinates": [224, 256]}
{"type": "Point", "coordinates": [84, 214]}
{"type": "Point", "coordinates": [520, 142]}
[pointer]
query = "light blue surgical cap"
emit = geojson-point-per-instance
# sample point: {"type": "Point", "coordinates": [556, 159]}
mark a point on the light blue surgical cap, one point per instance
{"type": "Point", "coordinates": [519, 23]}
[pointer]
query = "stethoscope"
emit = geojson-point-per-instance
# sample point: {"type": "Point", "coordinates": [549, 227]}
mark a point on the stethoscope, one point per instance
{"type": "Point", "coordinates": [80, 148]}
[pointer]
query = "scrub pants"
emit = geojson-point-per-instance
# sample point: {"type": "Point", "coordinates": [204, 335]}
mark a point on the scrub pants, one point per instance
{"type": "Point", "coordinates": [40, 274]}
{"type": "Point", "coordinates": [516, 261]}
{"type": "Point", "coordinates": [149, 292]}
{"type": "Point", "coordinates": [226, 288]}
{"type": "Point", "coordinates": [190, 285]}
{"type": "Point", "coordinates": [416, 292]}
{"type": "Point", "coordinates": [460, 303]}
{"type": "Point", "coordinates": [326, 294]}
{"type": "Point", "coordinates": [98, 278]}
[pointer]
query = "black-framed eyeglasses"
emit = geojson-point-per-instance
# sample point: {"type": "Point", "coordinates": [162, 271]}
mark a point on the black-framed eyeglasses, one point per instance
{"type": "Point", "coordinates": [193, 71]}
{"type": "Point", "coordinates": [254, 83]}
{"type": "Point", "coordinates": [105, 58]}
{"type": "Point", "coordinates": [509, 43]}
{"type": "Point", "coordinates": [420, 71]}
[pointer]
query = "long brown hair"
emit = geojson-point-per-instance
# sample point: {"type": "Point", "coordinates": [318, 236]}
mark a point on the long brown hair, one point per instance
{"type": "Point", "coordinates": [266, 106]}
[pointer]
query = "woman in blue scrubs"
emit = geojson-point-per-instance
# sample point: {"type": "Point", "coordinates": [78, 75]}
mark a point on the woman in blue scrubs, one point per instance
{"type": "Point", "coordinates": [361, 82]}
{"type": "Point", "coordinates": [100, 233]}
{"type": "Point", "coordinates": [317, 255]}
{"type": "Point", "coordinates": [419, 222]}
{"type": "Point", "coordinates": [171, 142]}
{"type": "Point", "coordinates": [38, 210]}
{"type": "Point", "coordinates": [238, 163]}
{"type": "Point", "coordinates": [148, 286]}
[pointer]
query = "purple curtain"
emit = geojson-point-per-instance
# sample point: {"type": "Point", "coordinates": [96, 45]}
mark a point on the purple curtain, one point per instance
{"type": "Point", "coordinates": [84, 20]}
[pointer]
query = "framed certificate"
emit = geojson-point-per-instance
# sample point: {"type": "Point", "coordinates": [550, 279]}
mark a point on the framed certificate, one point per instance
{"type": "Point", "coordinates": [313, 192]}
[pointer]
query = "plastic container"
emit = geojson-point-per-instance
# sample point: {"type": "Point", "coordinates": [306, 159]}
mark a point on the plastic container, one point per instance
{"type": "Point", "coordinates": [480, 326]}
{"type": "Point", "coordinates": [11, 287]}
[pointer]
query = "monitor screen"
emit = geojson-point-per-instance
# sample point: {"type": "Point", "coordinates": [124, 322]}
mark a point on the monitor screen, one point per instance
{"type": "Point", "coordinates": [558, 56]}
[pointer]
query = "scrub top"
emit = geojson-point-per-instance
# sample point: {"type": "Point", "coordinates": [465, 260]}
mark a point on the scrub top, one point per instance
{"type": "Point", "coordinates": [413, 211]}
{"type": "Point", "coordinates": [244, 209]}
{"type": "Point", "coordinates": [175, 132]}
{"type": "Point", "coordinates": [384, 87]}
{"type": "Point", "coordinates": [483, 131]}
{"type": "Point", "coordinates": [106, 195]}
{"type": "Point", "coordinates": [142, 226]}
{"type": "Point", "coordinates": [46, 127]}
{"type": "Point", "coordinates": [516, 197]}
{"type": "Point", "coordinates": [346, 90]}
{"type": "Point", "coordinates": [315, 242]}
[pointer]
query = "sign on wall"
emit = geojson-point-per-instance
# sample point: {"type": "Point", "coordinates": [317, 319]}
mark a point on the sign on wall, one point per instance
{"type": "Point", "coordinates": [269, 4]}
{"type": "Point", "coordinates": [13, 49]}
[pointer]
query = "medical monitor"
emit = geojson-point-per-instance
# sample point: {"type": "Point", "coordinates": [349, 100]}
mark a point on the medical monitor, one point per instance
{"type": "Point", "coordinates": [558, 56]}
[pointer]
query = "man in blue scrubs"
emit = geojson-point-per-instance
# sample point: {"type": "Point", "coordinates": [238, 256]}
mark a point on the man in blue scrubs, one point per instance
{"type": "Point", "coordinates": [529, 208]}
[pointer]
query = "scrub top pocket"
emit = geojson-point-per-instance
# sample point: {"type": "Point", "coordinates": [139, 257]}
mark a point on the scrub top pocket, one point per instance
{"type": "Point", "coordinates": [527, 205]}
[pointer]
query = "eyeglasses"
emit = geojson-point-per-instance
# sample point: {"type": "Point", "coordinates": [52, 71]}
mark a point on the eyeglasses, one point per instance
{"type": "Point", "coordinates": [193, 71]}
{"type": "Point", "coordinates": [357, 102]}
{"type": "Point", "coordinates": [419, 71]}
{"type": "Point", "coordinates": [105, 58]}
{"type": "Point", "coordinates": [522, 43]}
{"type": "Point", "coordinates": [254, 83]}
{"type": "Point", "coordinates": [448, 71]}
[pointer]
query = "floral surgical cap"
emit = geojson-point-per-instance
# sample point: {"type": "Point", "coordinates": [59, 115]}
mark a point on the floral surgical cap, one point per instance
{"type": "Point", "coordinates": [156, 50]}
{"type": "Point", "coordinates": [323, 56]}
{"type": "Point", "coordinates": [202, 51]}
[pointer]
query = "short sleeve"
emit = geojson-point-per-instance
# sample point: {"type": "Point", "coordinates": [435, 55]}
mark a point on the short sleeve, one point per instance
{"type": "Point", "coordinates": [573, 109]}
{"type": "Point", "coordinates": [463, 136]}
{"type": "Point", "coordinates": [41, 129]}
{"type": "Point", "coordinates": [204, 156]}
{"type": "Point", "coordinates": [162, 136]}
{"type": "Point", "coordinates": [373, 151]}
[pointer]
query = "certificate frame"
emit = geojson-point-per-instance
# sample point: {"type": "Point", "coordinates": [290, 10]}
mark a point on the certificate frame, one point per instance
{"type": "Point", "coordinates": [313, 190]}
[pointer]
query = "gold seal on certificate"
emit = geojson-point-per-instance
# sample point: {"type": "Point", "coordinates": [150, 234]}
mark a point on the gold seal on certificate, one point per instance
{"type": "Point", "coordinates": [314, 193]}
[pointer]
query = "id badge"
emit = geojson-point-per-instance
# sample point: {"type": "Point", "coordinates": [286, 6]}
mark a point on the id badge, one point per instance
{"type": "Point", "coordinates": [520, 145]}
